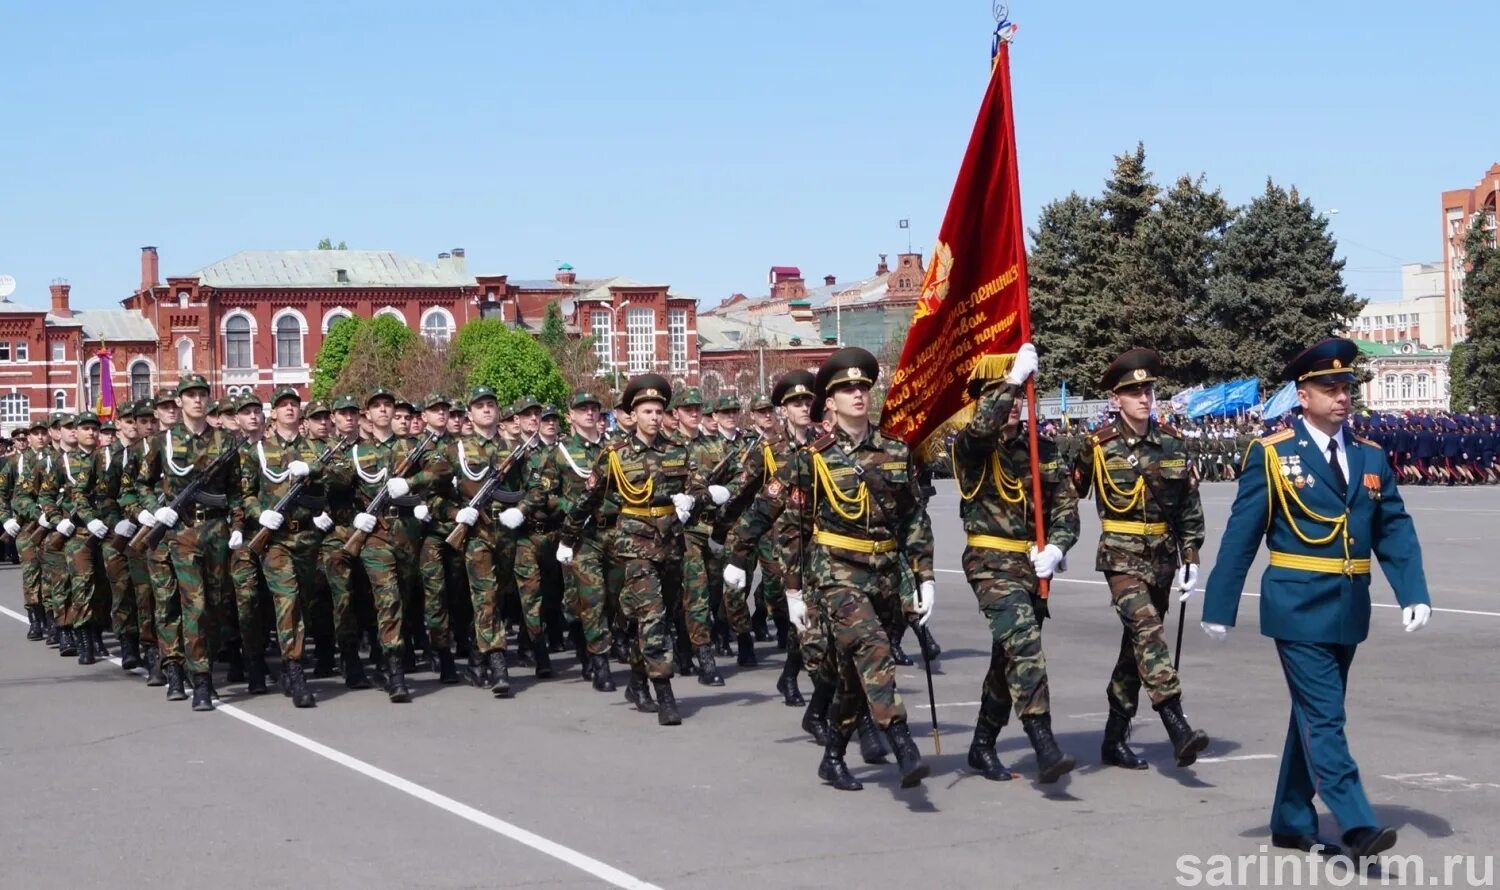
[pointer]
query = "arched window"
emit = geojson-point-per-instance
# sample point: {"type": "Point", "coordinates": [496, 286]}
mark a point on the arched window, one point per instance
{"type": "Point", "coordinates": [437, 326]}
{"type": "Point", "coordinates": [237, 342]}
{"type": "Point", "coordinates": [1390, 387]}
{"type": "Point", "coordinates": [59, 400]}
{"type": "Point", "coordinates": [331, 317]}
{"type": "Point", "coordinates": [392, 311]}
{"type": "Point", "coordinates": [184, 355]}
{"type": "Point", "coordinates": [140, 380]}
{"type": "Point", "coordinates": [91, 395]}
{"type": "Point", "coordinates": [15, 409]}
{"type": "Point", "coordinates": [1424, 386]}
{"type": "Point", "coordinates": [288, 342]}
{"type": "Point", "coordinates": [1408, 387]}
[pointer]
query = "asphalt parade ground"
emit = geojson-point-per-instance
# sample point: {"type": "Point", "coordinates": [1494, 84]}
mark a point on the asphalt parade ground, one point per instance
{"type": "Point", "coordinates": [105, 783]}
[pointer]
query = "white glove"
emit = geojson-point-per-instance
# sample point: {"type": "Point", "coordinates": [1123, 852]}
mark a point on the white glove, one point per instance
{"type": "Point", "coordinates": [324, 522]}
{"type": "Point", "coordinates": [271, 519]}
{"type": "Point", "coordinates": [1046, 560]}
{"type": "Point", "coordinates": [126, 529]}
{"type": "Point", "coordinates": [1217, 631]}
{"type": "Point", "coordinates": [926, 593]}
{"type": "Point", "coordinates": [44, 522]}
{"type": "Point", "coordinates": [398, 487]}
{"type": "Point", "coordinates": [1187, 581]}
{"type": "Point", "coordinates": [166, 516]}
{"type": "Point", "coordinates": [1024, 366]}
{"type": "Point", "coordinates": [365, 522]}
{"type": "Point", "coordinates": [564, 555]}
{"type": "Point", "coordinates": [719, 493]}
{"type": "Point", "coordinates": [236, 539]}
{"type": "Point", "coordinates": [1415, 617]}
{"type": "Point", "coordinates": [421, 512]}
{"type": "Point", "coordinates": [796, 610]}
{"type": "Point", "coordinates": [467, 516]}
{"type": "Point", "coordinates": [734, 577]}
{"type": "Point", "coordinates": [97, 528]}
{"type": "Point", "coordinates": [65, 527]}
{"type": "Point", "coordinates": [12, 527]}
{"type": "Point", "coordinates": [511, 517]}
{"type": "Point", "coordinates": [684, 504]}
{"type": "Point", "coordinates": [146, 518]}
{"type": "Point", "coordinates": [298, 469]}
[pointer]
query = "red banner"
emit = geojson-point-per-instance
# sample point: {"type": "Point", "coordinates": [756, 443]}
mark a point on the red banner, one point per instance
{"type": "Point", "coordinates": [973, 300]}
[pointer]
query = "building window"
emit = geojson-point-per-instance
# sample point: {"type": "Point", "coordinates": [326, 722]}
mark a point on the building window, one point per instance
{"type": "Point", "coordinates": [59, 400]}
{"type": "Point", "coordinates": [1424, 386]}
{"type": "Point", "coordinates": [333, 317]}
{"type": "Point", "coordinates": [59, 351]}
{"type": "Point", "coordinates": [437, 327]}
{"type": "Point", "coordinates": [4, 351]}
{"type": "Point", "coordinates": [640, 329]}
{"type": "Point", "coordinates": [140, 381]}
{"type": "Point", "coordinates": [1390, 387]}
{"type": "Point", "coordinates": [91, 395]}
{"type": "Point", "coordinates": [22, 351]}
{"type": "Point", "coordinates": [604, 343]}
{"type": "Point", "coordinates": [288, 342]}
{"type": "Point", "coordinates": [677, 347]}
{"type": "Point", "coordinates": [1407, 387]}
{"type": "Point", "coordinates": [184, 355]}
{"type": "Point", "coordinates": [237, 342]}
{"type": "Point", "coordinates": [15, 409]}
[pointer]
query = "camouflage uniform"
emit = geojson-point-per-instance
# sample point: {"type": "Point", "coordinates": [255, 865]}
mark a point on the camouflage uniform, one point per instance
{"type": "Point", "coordinates": [23, 475]}
{"type": "Point", "coordinates": [694, 579]}
{"type": "Point", "coordinates": [370, 463]}
{"type": "Point", "coordinates": [538, 576]}
{"type": "Point", "coordinates": [433, 478]}
{"type": "Point", "coordinates": [487, 552]}
{"type": "Point", "coordinates": [134, 600]}
{"type": "Point", "coordinates": [69, 495]}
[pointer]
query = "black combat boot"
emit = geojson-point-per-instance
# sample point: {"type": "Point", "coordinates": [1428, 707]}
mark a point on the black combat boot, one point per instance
{"type": "Point", "coordinates": [33, 623]}
{"type": "Point", "coordinates": [898, 655]}
{"type": "Point", "coordinates": [447, 671]}
{"type": "Point", "coordinates": [930, 648]}
{"type": "Point", "coordinates": [746, 646]}
{"type": "Point", "coordinates": [354, 667]}
{"type": "Point", "coordinates": [815, 718]}
{"type": "Point", "coordinates": [638, 693]}
{"type": "Point", "coordinates": [871, 743]}
{"type": "Point", "coordinates": [478, 670]}
{"type": "Point", "coordinates": [67, 643]}
{"type": "Point", "coordinates": [499, 675]}
{"type": "Point", "coordinates": [1051, 762]}
{"type": "Point", "coordinates": [202, 697]}
{"type": "Point", "coordinates": [302, 697]}
{"type": "Point", "coordinates": [236, 659]}
{"type": "Point", "coordinates": [154, 675]}
{"type": "Point", "coordinates": [599, 673]}
{"type": "Point", "coordinates": [173, 671]}
{"type": "Point", "coordinates": [327, 662]}
{"type": "Point", "coordinates": [982, 757]}
{"type": "Point", "coordinates": [758, 624]}
{"type": "Point", "coordinates": [130, 652]}
{"type": "Point", "coordinates": [666, 709]}
{"type": "Point", "coordinates": [85, 647]}
{"type": "Point", "coordinates": [1187, 742]}
{"type": "Point", "coordinates": [395, 679]}
{"type": "Point", "coordinates": [50, 630]}
{"type": "Point", "coordinates": [708, 670]}
{"type": "Point", "coordinates": [1115, 752]}
{"type": "Point", "coordinates": [908, 758]}
{"type": "Point", "coordinates": [786, 684]}
{"type": "Point", "coordinates": [685, 665]}
{"type": "Point", "coordinates": [100, 650]}
{"type": "Point", "coordinates": [255, 675]}
{"type": "Point", "coordinates": [833, 769]}
{"type": "Point", "coordinates": [721, 637]}
{"type": "Point", "coordinates": [539, 650]}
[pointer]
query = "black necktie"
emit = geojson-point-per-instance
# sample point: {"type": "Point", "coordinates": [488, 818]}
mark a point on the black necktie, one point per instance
{"type": "Point", "coordinates": [1333, 462]}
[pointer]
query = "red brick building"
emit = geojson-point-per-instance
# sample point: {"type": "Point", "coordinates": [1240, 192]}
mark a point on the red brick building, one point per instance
{"type": "Point", "coordinates": [1461, 209]}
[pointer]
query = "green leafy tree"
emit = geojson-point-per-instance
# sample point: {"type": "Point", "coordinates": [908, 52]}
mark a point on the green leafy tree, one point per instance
{"type": "Point", "coordinates": [333, 355]}
{"type": "Point", "coordinates": [514, 365]}
{"type": "Point", "coordinates": [327, 244]}
{"type": "Point", "coordinates": [554, 333]}
{"type": "Point", "coordinates": [1460, 377]}
{"type": "Point", "coordinates": [378, 356]}
{"type": "Point", "coordinates": [1069, 268]}
{"type": "Point", "coordinates": [1479, 374]}
{"type": "Point", "coordinates": [475, 340]}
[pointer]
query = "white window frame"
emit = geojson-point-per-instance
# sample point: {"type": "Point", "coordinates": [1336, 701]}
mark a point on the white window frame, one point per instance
{"type": "Point", "coordinates": [23, 351]}
{"type": "Point", "coordinates": [334, 315]}
{"type": "Point", "coordinates": [1390, 383]}
{"type": "Point", "coordinates": [393, 312]}
{"type": "Point", "coordinates": [144, 364]}
{"type": "Point", "coordinates": [301, 322]}
{"type": "Point", "coordinates": [59, 351]}
{"type": "Point", "coordinates": [59, 400]}
{"type": "Point", "coordinates": [640, 330]}
{"type": "Point", "coordinates": [601, 326]}
{"type": "Point", "coordinates": [448, 330]}
{"type": "Point", "coordinates": [91, 392]}
{"type": "Point", "coordinates": [184, 348]}
{"type": "Point", "coordinates": [15, 408]}
{"type": "Point", "coordinates": [677, 345]}
{"type": "Point", "coordinates": [1424, 386]}
{"type": "Point", "coordinates": [251, 333]}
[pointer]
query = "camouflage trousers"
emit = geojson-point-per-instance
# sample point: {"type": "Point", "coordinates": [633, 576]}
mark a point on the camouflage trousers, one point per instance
{"type": "Point", "coordinates": [55, 588]}
{"type": "Point", "coordinates": [190, 620]}
{"type": "Point", "coordinates": [1144, 656]}
{"type": "Point", "coordinates": [1005, 588]}
{"type": "Point", "coordinates": [436, 561]}
{"type": "Point", "coordinates": [538, 578]}
{"type": "Point", "coordinates": [770, 593]}
{"type": "Point", "coordinates": [163, 583]}
{"type": "Point", "coordinates": [81, 555]}
{"type": "Point", "coordinates": [854, 604]}
{"type": "Point", "coordinates": [29, 544]}
{"type": "Point", "coordinates": [290, 567]}
{"type": "Point", "coordinates": [134, 607]}
{"type": "Point", "coordinates": [244, 581]}
{"type": "Point", "coordinates": [584, 582]}
{"type": "Point", "coordinates": [694, 585]}
{"type": "Point", "coordinates": [380, 557]}
{"type": "Point", "coordinates": [332, 605]}
{"type": "Point", "coordinates": [642, 606]}
{"type": "Point", "coordinates": [490, 560]}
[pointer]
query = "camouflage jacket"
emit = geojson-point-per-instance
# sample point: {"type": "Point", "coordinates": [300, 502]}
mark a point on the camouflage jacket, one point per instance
{"type": "Point", "coordinates": [472, 458]}
{"type": "Point", "coordinates": [432, 480]}
{"type": "Point", "coordinates": [111, 469]}
{"type": "Point", "coordinates": [1128, 474]}
{"type": "Point", "coordinates": [67, 491]}
{"type": "Point", "coordinates": [994, 482]}
{"type": "Point", "coordinates": [559, 478]}
{"type": "Point", "coordinates": [541, 512]}
{"type": "Point", "coordinates": [29, 474]}
{"type": "Point", "coordinates": [128, 495]}
{"type": "Point", "coordinates": [752, 511]}
{"type": "Point", "coordinates": [8, 482]}
{"type": "Point", "coordinates": [634, 481]}
{"type": "Point", "coordinates": [264, 480]}
{"type": "Point", "coordinates": [704, 452]}
{"type": "Point", "coordinates": [177, 456]}
{"type": "Point", "coordinates": [370, 463]}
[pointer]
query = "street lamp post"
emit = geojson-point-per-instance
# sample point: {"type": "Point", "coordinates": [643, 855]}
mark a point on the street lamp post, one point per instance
{"type": "Point", "coordinates": [614, 333]}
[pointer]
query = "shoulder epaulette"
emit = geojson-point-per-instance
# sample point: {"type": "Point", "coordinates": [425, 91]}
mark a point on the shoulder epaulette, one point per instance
{"type": "Point", "coordinates": [821, 443]}
{"type": "Point", "coordinates": [1276, 438]}
{"type": "Point", "coordinates": [1104, 435]}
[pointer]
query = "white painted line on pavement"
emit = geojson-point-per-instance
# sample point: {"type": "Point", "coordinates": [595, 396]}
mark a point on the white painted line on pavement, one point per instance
{"type": "Point", "coordinates": [1249, 593]}
{"type": "Point", "coordinates": [1236, 757]}
{"type": "Point", "coordinates": [520, 835]}
{"type": "Point", "coordinates": [951, 704]}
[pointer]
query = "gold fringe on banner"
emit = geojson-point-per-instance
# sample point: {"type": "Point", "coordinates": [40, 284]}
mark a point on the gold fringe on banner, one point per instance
{"type": "Point", "coordinates": [987, 368]}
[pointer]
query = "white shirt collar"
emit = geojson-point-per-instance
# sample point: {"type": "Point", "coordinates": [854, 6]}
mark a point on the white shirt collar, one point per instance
{"type": "Point", "coordinates": [1320, 438]}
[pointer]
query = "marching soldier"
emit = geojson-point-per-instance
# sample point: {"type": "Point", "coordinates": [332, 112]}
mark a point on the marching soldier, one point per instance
{"type": "Point", "coordinates": [1324, 500]}
{"type": "Point", "coordinates": [68, 497]}
{"type": "Point", "coordinates": [21, 473]}
{"type": "Point", "coordinates": [134, 599]}
{"type": "Point", "coordinates": [649, 484]}
{"type": "Point", "coordinates": [337, 566]}
{"type": "Point", "coordinates": [993, 468]}
{"type": "Point", "coordinates": [439, 564]}
{"type": "Point", "coordinates": [538, 576]}
{"type": "Point", "coordinates": [1151, 521]}
{"type": "Point", "coordinates": [691, 578]}
{"type": "Point", "coordinates": [247, 662]}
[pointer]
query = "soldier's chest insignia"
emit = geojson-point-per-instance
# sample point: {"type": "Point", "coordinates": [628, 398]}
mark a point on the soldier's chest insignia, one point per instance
{"type": "Point", "coordinates": [774, 489]}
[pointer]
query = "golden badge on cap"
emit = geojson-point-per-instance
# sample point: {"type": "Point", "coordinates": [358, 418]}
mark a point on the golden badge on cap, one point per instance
{"type": "Point", "coordinates": [1337, 364]}
{"type": "Point", "coordinates": [1140, 374]}
{"type": "Point", "coordinates": [856, 374]}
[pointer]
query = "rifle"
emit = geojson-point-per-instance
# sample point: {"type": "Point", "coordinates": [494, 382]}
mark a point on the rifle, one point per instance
{"type": "Point", "coordinates": [55, 539]}
{"type": "Point", "coordinates": [357, 538]}
{"type": "Point", "coordinates": [1176, 533]}
{"type": "Point", "coordinates": [494, 477]}
{"type": "Point", "coordinates": [262, 538]}
{"type": "Point", "coordinates": [147, 539]}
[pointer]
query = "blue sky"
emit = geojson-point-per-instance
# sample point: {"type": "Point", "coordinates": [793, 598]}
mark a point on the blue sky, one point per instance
{"type": "Point", "coordinates": [697, 143]}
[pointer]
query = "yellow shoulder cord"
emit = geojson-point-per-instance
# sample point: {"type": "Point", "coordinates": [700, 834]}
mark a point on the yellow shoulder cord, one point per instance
{"type": "Point", "coordinates": [632, 495]}
{"type": "Point", "coordinates": [851, 507]}
{"type": "Point", "coordinates": [978, 483]}
{"type": "Point", "coordinates": [1278, 484]}
{"type": "Point", "coordinates": [770, 456]}
{"type": "Point", "coordinates": [1104, 484]}
{"type": "Point", "coordinates": [1010, 489]}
